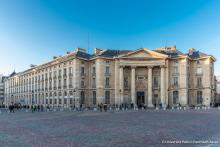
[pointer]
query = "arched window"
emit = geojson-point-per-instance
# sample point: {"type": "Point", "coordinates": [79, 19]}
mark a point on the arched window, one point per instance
{"type": "Point", "coordinates": [107, 97]}
{"type": "Point", "coordinates": [94, 97]}
{"type": "Point", "coordinates": [55, 94]}
{"type": "Point", "coordinates": [65, 93]}
{"type": "Point", "coordinates": [199, 97]}
{"type": "Point", "coordinates": [71, 93]}
{"type": "Point", "coordinates": [82, 97]}
{"type": "Point", "coordinates": [175, 97]}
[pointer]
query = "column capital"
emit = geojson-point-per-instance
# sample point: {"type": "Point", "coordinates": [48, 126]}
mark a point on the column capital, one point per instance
{"type": "Point", "coordinates": [150, 67]}
{"type": "Point", "coordinates": [121, 66]}
{"type": "Point", "coordinates": [133, 66]}
{"type": "Point", "coordinates": [162, 66]}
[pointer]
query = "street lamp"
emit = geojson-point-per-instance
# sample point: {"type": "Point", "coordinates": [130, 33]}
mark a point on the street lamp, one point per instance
{"type": "Point", "coordinates": [74, 91]}
{"type": "Point", "coordinates": [12, 98]}
{"type": "Point", "coordinates": [32, 97]}
{"type": "Point", "coordinates": [120, 91]}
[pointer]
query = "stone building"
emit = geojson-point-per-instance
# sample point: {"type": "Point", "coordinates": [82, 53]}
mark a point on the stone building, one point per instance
{"type": "Point", "coordinates": [2, 89]}
{"type": "Point", "coordinates": [163, 76]}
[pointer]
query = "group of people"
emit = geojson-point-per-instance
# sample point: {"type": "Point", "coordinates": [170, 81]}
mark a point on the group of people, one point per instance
{"type": "Point", "coordinates": [37, 108]}
{"type": "Point", "coordinates": [102, 107]}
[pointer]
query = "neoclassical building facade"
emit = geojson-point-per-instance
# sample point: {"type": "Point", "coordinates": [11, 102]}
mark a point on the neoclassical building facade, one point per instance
{"type": "Point", "coordinates": [163, 76]}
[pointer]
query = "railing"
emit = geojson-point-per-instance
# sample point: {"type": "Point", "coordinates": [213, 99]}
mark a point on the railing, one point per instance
{"type": "Point", "coordinates": [175, 74]}
{"type": "Point", "coordinates": [83, 74]}
{"type": "Point", "coordinates": [64, 76]}
{"type": "Point", "coordinates": [107, 86]}
{"type": "Point", "coordinates": [199, 74]}
{"type": "Point", "coordinates": [107, 74]}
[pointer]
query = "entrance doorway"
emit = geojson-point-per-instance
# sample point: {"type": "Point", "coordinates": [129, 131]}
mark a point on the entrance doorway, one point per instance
{"type": "Point", "coordinates": [140, 99]}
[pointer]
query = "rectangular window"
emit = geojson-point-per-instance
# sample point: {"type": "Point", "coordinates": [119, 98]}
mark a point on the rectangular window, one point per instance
{"type": "Point", "coordinates": [107, 70]}
{"type": "Point", "coordinates": [60, 72]}
{"type": "Point", "coordinates": [156, 82]}
{"type": "Point", "coordinates": [64, 71]}
{"type": "Point", "coordinates": [93, 82]}
{"type": "Point", "coordinates": [199, 82]}
{"type": "Point", "coordinates": [82, 71]}
{"type": "Point", "coordinates": [126, 82]}
{"type": "Point", "coordinates": [175, 70]}
{"type": "Point", "coordinates": [199, 70]}
{"type": "Point", "coordinates": [175, 81]}
{"type": "Point", "coordinates": [107, 81]}
{"type": "Point", "coordinates": [82, 83]}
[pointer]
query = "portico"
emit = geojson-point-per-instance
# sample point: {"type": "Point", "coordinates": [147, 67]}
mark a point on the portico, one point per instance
{"type": "Point", "coordinates": [139, 70]}
{"type": "Point", "coordinates": [135, 92]}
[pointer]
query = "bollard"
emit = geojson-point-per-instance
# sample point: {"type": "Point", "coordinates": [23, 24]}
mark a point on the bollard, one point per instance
{"type": "Point", "coordinates": [157, 108]}
{"type": "Point", "coordinates": [94, 109]}
{"type": "Point", "coordinates": [26, 111]}
{"type": "Point", "coordinates": [0, 111]}
{"type": "Point", "coordinates": [172, 108]}
{"type": "Point", "coordinates": [164, 108]}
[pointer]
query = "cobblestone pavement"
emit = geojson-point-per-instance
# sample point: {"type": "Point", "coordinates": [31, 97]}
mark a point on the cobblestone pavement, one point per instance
{"type": "Point", "coordinates": [89, 128]}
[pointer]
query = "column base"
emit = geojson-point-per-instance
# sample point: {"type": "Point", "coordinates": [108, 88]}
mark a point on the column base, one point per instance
{"type": "Point", "coordinates": [164, 105]}
{"type": "Point", "coordinates": [150, 106]}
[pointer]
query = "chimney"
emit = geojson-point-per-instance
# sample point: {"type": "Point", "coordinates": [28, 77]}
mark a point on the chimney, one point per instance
{"type": "Point", "coordinates": [80, 50]}
{"type": "Point", "coordinates": [97, 51]}
{"type": "Point", "coordinates": [32, 65]}
{"type": "Point", "coordinates": [191, 50]}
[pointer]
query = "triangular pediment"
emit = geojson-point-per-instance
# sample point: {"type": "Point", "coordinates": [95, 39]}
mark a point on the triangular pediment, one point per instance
{"type": "Point", "coordinates": [143, 53]}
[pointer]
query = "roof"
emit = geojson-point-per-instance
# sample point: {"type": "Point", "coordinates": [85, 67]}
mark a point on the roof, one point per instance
{"type": "Point", "coordinates": [171, 53]}
{"type": "Point", "coordinates": [196, 54]}
{"type": "Point", "coordinates": [83, 55]}
{"type": "Point", "coordinates": [112, 53]}
{"type": "Point", "coordinates": [12, 74]}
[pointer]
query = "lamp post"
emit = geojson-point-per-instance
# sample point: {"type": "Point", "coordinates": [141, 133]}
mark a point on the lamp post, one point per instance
{"type": "Point", "coordinates": [32, 101]}
{"type": "Point", "coordinates": [12, 97]}
{"type": "Point", "coordinates": [74, 91]}
{"type": "Point", "coordinates": [120, 91]}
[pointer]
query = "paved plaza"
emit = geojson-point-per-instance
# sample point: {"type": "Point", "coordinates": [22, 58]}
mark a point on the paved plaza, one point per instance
{"type": "Point", "coordinates": [112, 128]}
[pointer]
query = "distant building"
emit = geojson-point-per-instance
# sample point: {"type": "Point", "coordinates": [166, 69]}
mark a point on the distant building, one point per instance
{"type": "Point", "coordinates": [163, 76]}
{"type": "Point", "coordinates": [217, 96]}
{"type": "Point", "coordinates": [2, 89]}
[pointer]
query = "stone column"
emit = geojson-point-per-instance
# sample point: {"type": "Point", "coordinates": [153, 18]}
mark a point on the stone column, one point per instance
{"type": "Point", "coordinates": [117, 95]}
{"type": "Point", "coordinates": [121, 84]}
{"type": "Point", "coordinates": [133, 85]}
{"type": "Point", "coordinates": [162, 86]}
{"type": "Point", "coordinates": [150, 87]}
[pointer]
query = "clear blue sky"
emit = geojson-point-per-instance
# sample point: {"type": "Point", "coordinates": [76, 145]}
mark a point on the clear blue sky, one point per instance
{"type": "Point", "coordinates": [32, 31]}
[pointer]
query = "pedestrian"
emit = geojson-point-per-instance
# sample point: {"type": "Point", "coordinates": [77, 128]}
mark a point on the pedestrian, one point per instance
{"type": "Point", "coordinates": [38, 108]}
{"type": "Point", "coordinates": [41, 108]}
{"type": "Point", "coordinates": [32, 108]}
{"type": "Point", "coordinates": [101, 107]}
